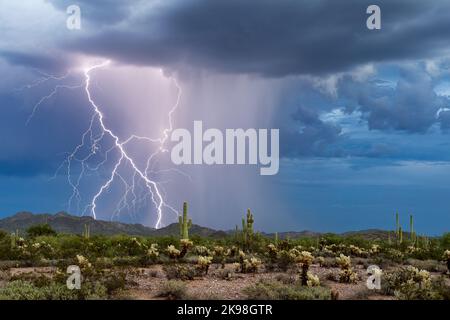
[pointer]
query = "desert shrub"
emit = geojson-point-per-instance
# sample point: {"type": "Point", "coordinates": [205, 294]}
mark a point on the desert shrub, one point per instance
{"type": "Point", "coordinates": [3, 234]}
{"type": "Point", "coordinates": [23, 290]}
{"type": "Point", "coordinates": [429, 265]}
{"type": "Point", "coordinates": [180, 272]}
{"type": "Point", "coordinates": [38, 280]}
{"type": "Point", "coordinates": [70, 246]}
{"type": "Point", "coordinates": [285, 259]}
{"type": "Point", "coordinates": [103, 263]}
{"type": "Point", "coordinates": [286, 278]}
{"type": "Point", "coordinates": [206, 295]}
{"type": "Point", "coordinates": [274, 290]}
{"type": "Point", "coordinates": [445, 241]}
{"type": "Point", "coordinates": [127, 261]}
{"type": "Point", "coordinates": [6, 252]}
{"type": "Point", "coordinates": [114, 282]}
{"type": "Point", "coordinates": [395, 255]}
{"type": "Point", "coordinates": [40, 230]}
{"type": "Point", "coordinates": [226, 274]}
{"type": "Point", "coordinates": [173, 290]}
{"type": "Point", "coordinates": [410, 283]}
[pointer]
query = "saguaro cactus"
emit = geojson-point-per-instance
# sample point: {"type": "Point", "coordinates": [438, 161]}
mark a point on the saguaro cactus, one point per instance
{"type": "Point", "coordinates": [14, 238]}
{"type": "Point", "coordinates": [87, 231]}
{"type": "Point", "coordinates": [411, 228]}
{"type": "Point", "coordinates": [184, 223]}
{"type": "Point", "coordinates": [247, 229]}
{"type": "Point", "coordinates": [400, 232]}
{"type": "Point", "coordinates": [397, 225]}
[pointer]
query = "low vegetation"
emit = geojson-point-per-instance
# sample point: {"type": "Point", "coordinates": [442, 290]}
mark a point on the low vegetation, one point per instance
{"type": "Point", "coordinates": [414, 267]}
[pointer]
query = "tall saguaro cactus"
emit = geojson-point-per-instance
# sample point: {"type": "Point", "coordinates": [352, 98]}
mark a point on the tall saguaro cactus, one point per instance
{"type": "Point", "coordinates": [184, 223]}
{"type": "Point", "coordinates": [400, 237]}
{"type": "Point", "coordinates": [397, 225]}
{"type": "Point", "coordinates": [87, 231]}
{"type": "Point", "coordinates": [247, 229]}
{"type": "Point", "coordinates": [411, 228]}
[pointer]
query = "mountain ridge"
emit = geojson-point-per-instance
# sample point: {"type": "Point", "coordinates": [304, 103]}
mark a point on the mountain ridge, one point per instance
{"type": "Point", "coordinates": [63, 222]}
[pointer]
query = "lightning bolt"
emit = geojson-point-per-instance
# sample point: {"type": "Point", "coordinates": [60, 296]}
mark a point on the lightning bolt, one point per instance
{"type": "Point", "coordinates": [95, 137]}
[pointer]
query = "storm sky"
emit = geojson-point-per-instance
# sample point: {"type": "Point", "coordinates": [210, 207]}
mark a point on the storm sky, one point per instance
{"type": "Point", "coordinates": [364, 115]}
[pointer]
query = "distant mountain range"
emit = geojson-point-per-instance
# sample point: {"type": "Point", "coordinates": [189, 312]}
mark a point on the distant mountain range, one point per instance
{"type": "Point", "coordinates": [63, 222]}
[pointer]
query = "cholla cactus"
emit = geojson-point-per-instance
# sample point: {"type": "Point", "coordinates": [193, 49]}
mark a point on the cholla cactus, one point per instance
{"type": "Point", "coordinates": [20, 242]}
{"type": "Point", "coordinates": [343, 261]}
{"type": "Point", "coordinates": [447, 259]}
{"type": "Point", "coordinates": [201, 251]}
{"type": "Point", "coordinates": [313, 280]}
{"type": "Point", "coordinates": [153, 252]}
{"type": "Point", "coordinates": [420, 277]}
{"type": "Point", "coordinates": [321, 261]}
{"type": "Point", "coordinates": [203, 263]}
{"type": "Point", "coordinates": [185, 245]}
{"type": "Point", "coordinates": [220, 255]}
{"type": "Point", "coordinates": [346, 275]}
{"type": "Point", "coordinates": [272, 248]}
{"type": "Point", "coordinates": [395, 254]}
{"type": "Point", "coordinates": [412, 249]}
{"type": "Point", "coordinates": [219, 251]}
{"type": "Point", "coordinates": [136, 242]}
{"type": "Point", "coordinates": [36, 245]}
{"type": "Point", "coordinates": [272, 252]}
{"type": "Point", "coordinates": [375, 249]}
{"type": "Point", "coordinates": [294, 253]}
{"type": "Point", "coordinates": [356, 251]}
{"type": "Point", "coordinates": [305, 258]}
{"type": "Point", "coordinates": [173, 252]}
{"type": "Point", "coordinates": [251, 265]}
{"type": "Point", "coordinates": [236, 266]}
{"type": "Point", "coordinates": [83, 262]}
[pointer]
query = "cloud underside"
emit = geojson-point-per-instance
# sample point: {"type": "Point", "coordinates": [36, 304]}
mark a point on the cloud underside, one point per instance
{"type": "Point", "coordinates": [314, 39]}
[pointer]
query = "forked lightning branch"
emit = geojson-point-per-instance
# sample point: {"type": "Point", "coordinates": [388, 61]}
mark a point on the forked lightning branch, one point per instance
{"type": "Point", "coordinates": [236, 146]}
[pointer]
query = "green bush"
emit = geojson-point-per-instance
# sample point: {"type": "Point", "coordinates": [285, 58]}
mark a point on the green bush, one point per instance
{"type": "Point", "coordinates": [274, 290]}
{"type": "Point", "coordinates": [180, 272]}
{"type": "Point", "coordinates": [173, 290]}
{"type": "Point", "coordinates": [410, 283]}
{"type": "Point", "coordinates": [40, 230]}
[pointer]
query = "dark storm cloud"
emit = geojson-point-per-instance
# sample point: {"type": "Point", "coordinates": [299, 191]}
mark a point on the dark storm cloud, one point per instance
{"type": "Point", "coordinates": [41, 146]}
{"type": "Point", "coordinates": [313, 137]}
{"type": "Point", "coordinates": [259, 36]}
{"type": "Point", "coordinates": [35, 60]}
{"type": "Point", "coordinates": [411, 105]}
